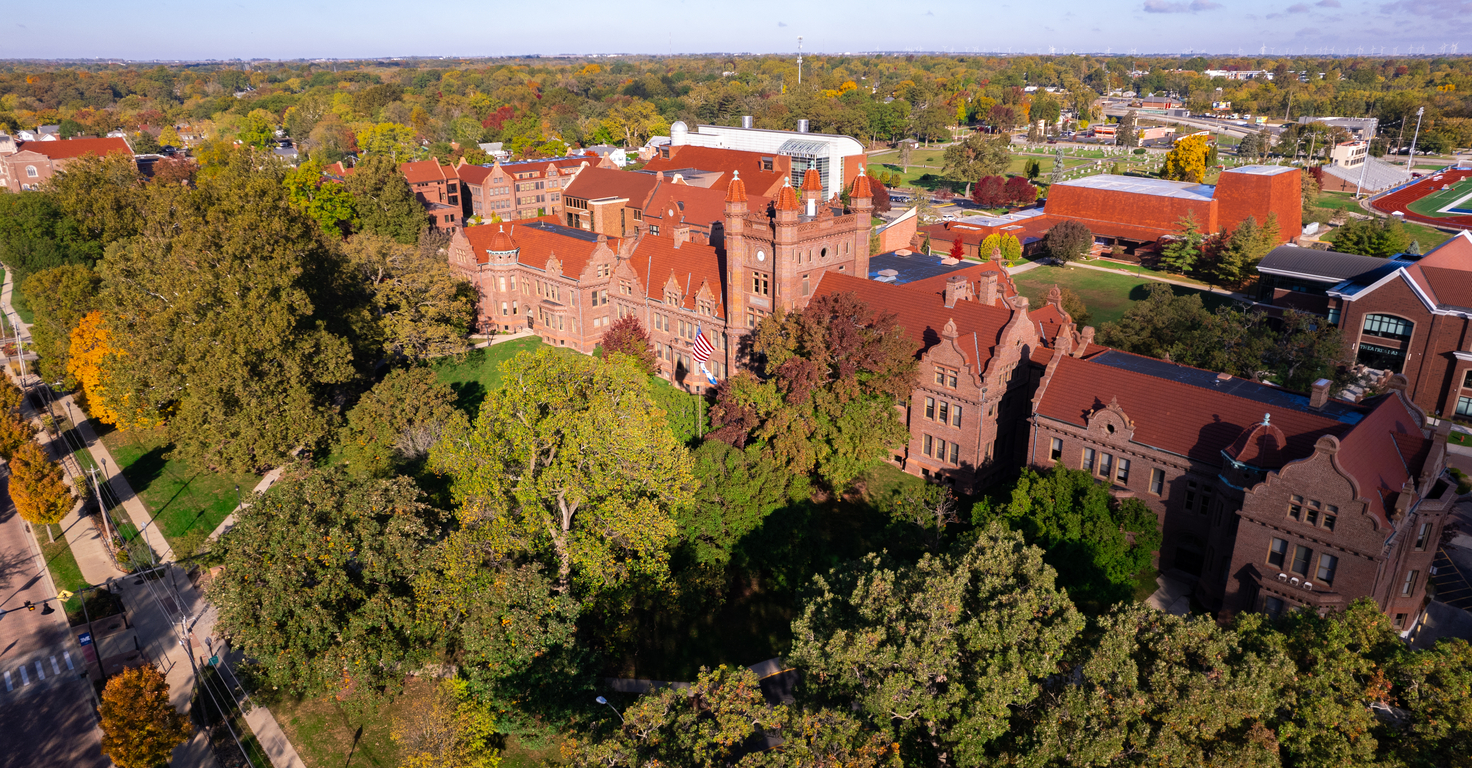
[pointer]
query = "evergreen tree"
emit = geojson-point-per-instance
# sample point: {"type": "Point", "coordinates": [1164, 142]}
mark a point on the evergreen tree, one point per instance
{"type": "Point", "coordinates": [1182, 251]}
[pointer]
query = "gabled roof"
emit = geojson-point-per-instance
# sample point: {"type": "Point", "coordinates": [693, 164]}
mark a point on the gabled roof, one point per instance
{"type": "Point", "coordinates": [1383, 452]}
{"type": "Point", "coordinates": [657, 261]}
{"type": "Point", "coordinates": [697, 206]}
{"type": "Point", "coordinates": [1445, 274]}
{"type": "Point", "coordinates": [727, 161]}
{"type": "Point", "coordinates": [1183, 415]}
{"type": "Point", "coordinates": [473, 174]}
{"type": "Point", "coordinates": [421, 171]}
{"type": "Point", "coordinates": [70, 148]}
{"type": "Point", "coordinates": [536, 241]}
{"type": "Point", "coordinates": [923, 315]}
{"type": "Point", "coordinates": [596, 183]}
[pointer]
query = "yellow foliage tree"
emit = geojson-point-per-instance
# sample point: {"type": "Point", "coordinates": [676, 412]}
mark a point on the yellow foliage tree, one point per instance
{"type": "Point", "coordinates": [14, 432]}
{"type": "Point", "coordinates": [140, 727]}
{"type": "Point", "coordinates": [1187, 160]}
{"type": "Point", "coordinates": [89, 348]}
{"type": "Point", "coordinates": [454, 731]}
{"type": "Point", "coordinates": [37, 487]}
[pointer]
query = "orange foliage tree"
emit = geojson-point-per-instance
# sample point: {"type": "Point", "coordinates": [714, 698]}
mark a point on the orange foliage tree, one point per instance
{"type": "Point", "coordinates": [37, 486]}
{"type": "Point", "coordinates": [140, 728]}
{"type": "Point", "coordinates": [89, 348]}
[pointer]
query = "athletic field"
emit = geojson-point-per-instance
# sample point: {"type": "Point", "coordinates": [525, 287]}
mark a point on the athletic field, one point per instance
{"type": "Point", "coordinates": [1456, 200]}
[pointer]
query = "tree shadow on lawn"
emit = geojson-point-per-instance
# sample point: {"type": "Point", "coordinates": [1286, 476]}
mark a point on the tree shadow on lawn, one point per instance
{"type": "Point", "coordinates": [468, 397]}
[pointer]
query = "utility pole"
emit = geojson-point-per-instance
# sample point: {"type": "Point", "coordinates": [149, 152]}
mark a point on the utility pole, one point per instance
{"type": "Point", "coordinates": [1411, 162]}
{"type": "Point", "coordinates": [101, 505]}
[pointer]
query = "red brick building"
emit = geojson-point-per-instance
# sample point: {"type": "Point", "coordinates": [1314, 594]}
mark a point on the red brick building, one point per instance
{"type": "Point", "coordinates": [763, 173]}
{"type": "Point", "coordinates": [36, 161]}
{"type": "Point", "coordinates": [1407, 315]}
{"type": "Point", "coordinates": [1133, 211]}
{"type": "Point", "coordinates": [438, 189]}
{"type": "Point", "coordinates": [568, 284]}
{"type": "Point", "coordinates": [524, 190]}
{"type": "Point", "coordinates": [1268, 500]}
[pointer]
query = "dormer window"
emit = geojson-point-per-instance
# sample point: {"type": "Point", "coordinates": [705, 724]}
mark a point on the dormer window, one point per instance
{"type": "Point", "coordinates": [671, 298]}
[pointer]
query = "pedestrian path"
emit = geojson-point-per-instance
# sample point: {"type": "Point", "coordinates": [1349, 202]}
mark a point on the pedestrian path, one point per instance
{"type": "Point", "coordinates": [39, 671]}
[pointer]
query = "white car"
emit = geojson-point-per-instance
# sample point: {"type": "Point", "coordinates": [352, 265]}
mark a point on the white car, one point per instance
{"type": "Point", "coordinates": [948, 217]}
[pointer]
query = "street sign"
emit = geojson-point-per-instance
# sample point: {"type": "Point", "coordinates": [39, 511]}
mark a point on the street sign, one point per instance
{"type": "Point", "coordinates": [85, 638]}
{"type": "Point", "coordinates": [215, 661]}
{"type": "Point", "coordinates": [65, 595]}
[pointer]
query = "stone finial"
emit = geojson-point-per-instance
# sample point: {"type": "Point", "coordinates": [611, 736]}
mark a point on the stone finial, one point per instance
{"type": "Point", "coordinates": [949, 331]}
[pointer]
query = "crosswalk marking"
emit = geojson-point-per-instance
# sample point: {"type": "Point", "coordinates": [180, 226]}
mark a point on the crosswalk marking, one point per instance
{"type": "Point", "coordinates": [54, 666]}
{"type": "Point", "coordinates": [24, 678]}
{"type": "Point", "coordinates": [40, 673]}
{"type": "Point", "coordinates": [68, 656]}
{"type": "Point", "coordinates": [8, 685]}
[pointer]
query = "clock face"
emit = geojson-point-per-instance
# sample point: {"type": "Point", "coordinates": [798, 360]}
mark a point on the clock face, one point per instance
{"type": "Point", "coordinates": [761, 255]}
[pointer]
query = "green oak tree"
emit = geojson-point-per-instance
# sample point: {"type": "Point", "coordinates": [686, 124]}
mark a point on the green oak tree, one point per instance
{"type": "Point", "coordinates": [941, 653]}
{"type": "Point", "coordinates": [395, 424]}
{"type": "Point", "coordinates": [59, 297]}
{"type": "Point", "coordinates": [318, 582]}
{"type": "Point", "coordinates": [383, 202]}
{"type": "Point", "coordinates": [420, 309]}
{"type": "Point", "coordinates": [977, 155]}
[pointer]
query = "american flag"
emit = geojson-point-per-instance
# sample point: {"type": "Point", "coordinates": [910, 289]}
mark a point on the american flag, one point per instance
{"type": "Point", "coordinates": [701, 349]}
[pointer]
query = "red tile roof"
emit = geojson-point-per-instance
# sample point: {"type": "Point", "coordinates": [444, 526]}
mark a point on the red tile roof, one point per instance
{"type": "Point", "coordinates": [1383, 451]}
{"type": "Point", "coordinates": [736, 190]}
{"type": "Point", "coordinates": [1260, 445]}
{"type": "Point", "coordinates": [698, 206]}
{"type": "Point", "coordinates": [922, 316]}
{"type": "Point", "coordinates": [595, 183]}
{"type": "Point", "coordinates": [728, 161]}
{"type": "Point", "coordinates": [657, 260]}
{"type": "Point", "coordinates": [472, 174]}
{"type": "Point", "coordinates": [536, 240]}
{"type": "Point", "coordinates": [1445, 274]}
{"type": "Point", "coordinates": [812, 181]}
{"type": "Point", "coordinates": [421, 171]}
{"type": "Point", "coordinates": [861, 185]}
{"type": "Point", "coordinates": [936, 286]}
{"type": "Point", "coordinates": [787, 199]}
{"type": "Point", "coordinates": [1175, 416]}
{"type": "Point", "coordinates": [70, 148]}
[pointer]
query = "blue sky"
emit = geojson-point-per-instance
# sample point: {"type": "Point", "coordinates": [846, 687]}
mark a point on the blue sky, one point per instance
{"type": "Point", "coordinates": [171, 29]}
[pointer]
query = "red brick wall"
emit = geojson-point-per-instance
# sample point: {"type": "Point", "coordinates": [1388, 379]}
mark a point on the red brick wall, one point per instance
{"type": "Point", "coordinates": [1240, 195]}
{"type": "Point", "coordinates": [1430, 369]}
{"type": "Point", "coordinates": [1138, 210]}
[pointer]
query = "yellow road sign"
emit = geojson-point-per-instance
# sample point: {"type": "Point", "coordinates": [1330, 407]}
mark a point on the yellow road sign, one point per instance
{"type": "Point", "coordinates": [65, 595]}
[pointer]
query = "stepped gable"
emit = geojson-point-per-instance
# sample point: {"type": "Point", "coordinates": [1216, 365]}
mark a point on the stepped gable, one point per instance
{"type": "Point", "coordinates": [691, 265]}
{"type": "Point", "coordinates": [923, 316]}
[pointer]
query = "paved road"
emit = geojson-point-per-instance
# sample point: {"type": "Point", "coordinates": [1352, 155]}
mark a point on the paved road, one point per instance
{"type": "Point", "coordinates": [47, 715]}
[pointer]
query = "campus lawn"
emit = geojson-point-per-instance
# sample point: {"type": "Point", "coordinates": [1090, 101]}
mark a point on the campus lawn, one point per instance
{"type": "Point", "coordinates": [478, 372]}
{"type": "Point", "coordinates": [1107, 295]}
{"type": "Point", "coordinates": [18, 301]}
{"type": "Point", "coordinates": [186, 502]}
{"type": "Point", "coordinates": [326, 735]}
{"type": "Point", "coordinates": [65, 573]}
{"type": "Point", "coordinates": [1136, 269]}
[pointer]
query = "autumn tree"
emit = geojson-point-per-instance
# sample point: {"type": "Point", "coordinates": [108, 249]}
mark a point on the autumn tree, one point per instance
{"type": "Point", "coordinates": [59, 297]}
{"type": "Point", "coordinates": [977, 155]}
{"type": "Point", "coordinates": [328, 203]}
{"type": "Point", "coordinates": [571, 463]}
{"type": "Point", "coordinates": [383, 202]}
{"type": "Point", "coordinates": [88, 349]}
{"type": "Point", "coordinates": [820, 398]}
{"type": "Point", "coordinates": [396, 423]}
{"type": "Point", "coordinates": [1068, 240]}
{"type": "Point", "coordinates": [318, 582]}
{"type": "Point", "coordinates": [989, 191]}
{"type": "Point", "coordinates": [627, 337]}
{"type": "Point", "coordinates": [958, 248]}
{"type": "Point", "coordinates": [1186, 161]}
{"type": "Point", "coordinates": [420, 308]}
{"type": "Point", "coordinates": [1182, 690]}
{"type": "Point", "coordinates": [140, 726]}
{"type": "Point", "coordinates": [242, 350]}
{"type": "Point", "coordinates": [15, 432]}
{"type": "Point", "coordinates": [940, 654]}
{"type": "Point", "coordinates": [453, 731]}
{"type": "Point", "coordinates": [37, 486]}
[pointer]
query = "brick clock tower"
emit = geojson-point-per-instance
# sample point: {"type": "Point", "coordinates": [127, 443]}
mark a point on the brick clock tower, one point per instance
{"type": "Point", "coordinates": [775, 258]}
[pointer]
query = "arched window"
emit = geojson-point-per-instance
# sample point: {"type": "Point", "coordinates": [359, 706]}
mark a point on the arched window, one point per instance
{"type": "Point", "coordinates": [31, 171]}
{"type": "Point", "coordinates": [1386, 349]}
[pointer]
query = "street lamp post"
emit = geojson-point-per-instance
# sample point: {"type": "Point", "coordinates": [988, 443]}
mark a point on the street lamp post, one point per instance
{"type": "Point", "coordinates": [605, 703]}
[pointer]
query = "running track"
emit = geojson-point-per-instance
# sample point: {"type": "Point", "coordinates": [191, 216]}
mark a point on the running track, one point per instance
{"type": "Point", "coordinates": [1397, 200]}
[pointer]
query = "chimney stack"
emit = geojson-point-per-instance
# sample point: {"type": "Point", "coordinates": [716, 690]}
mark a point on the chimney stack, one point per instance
{"type": "Point", "coordinates": [986, 289]}
{"type": "Point", "coordinates": [681, 234]}
{"type": "Point", "coordinates": [802, 126]}
{"type": "Point", "coordinates": [1319, 395]}
{"type": "Point", "coordinates": [746, 121]}
{"type": "Point", "coordinates": [957, 287]}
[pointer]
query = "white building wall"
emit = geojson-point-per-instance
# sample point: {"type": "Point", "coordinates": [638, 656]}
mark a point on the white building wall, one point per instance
{"type": "Point", "coordinates": [765, 140]}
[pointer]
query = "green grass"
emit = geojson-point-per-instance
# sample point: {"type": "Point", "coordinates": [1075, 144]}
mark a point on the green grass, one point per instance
{"type": "Point", "coordinates": [1460, 438]}
{"type": "Point", "coordinates": [1107, 295]}
{"type": "Point", "coordinates": [22, 307]}
{"type": "Point", "coordinates": [478, 371]}
{"type": "Point", "coordinates": [1145, 271]}
{"type": "Point", "coordinates": [65, 572]}
{"type": "Point", "coordinates": [186, 502]}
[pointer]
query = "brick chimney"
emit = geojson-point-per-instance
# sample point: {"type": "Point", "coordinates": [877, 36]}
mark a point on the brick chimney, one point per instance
{"type": "Point", "coordinates": [986, 289]}
{"type": "Point", "coordinates": [681, 233]}
{"type": "Point", "coordinates": [957, 288]}
{"type": "Point", "coordinates": [1319, 395]}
